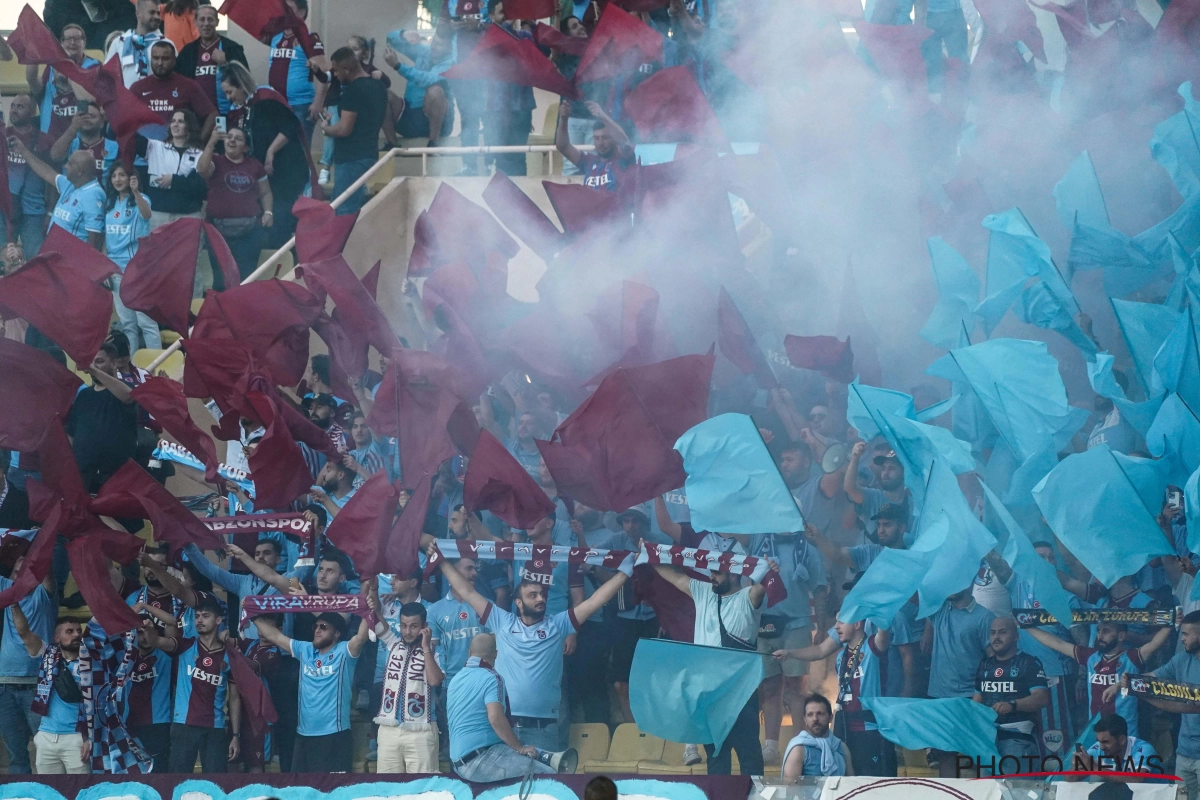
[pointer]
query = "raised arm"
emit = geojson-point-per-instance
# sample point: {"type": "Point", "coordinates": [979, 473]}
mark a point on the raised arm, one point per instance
{"type": "Point", "coordinates": [562, 135]}
{"type": "Point", "coordinates": [433, 671]}
{"type": "Point", "coordinates": [40, 168]}
{"type": "Point", "coordinates": [169, 581]}
{"type": "Point", "coordinates": [850, 481]}
{"type": "Point", "coordinates": [356, 642]}
{"type": "Point", "coordinates": [676, 578]}
{"type": "Point", "coordinates": [168, 644]}
{"type": "Point", "coordinates": [221, 577]}
{"type": "Point", "coordinates": [118, 387]}
{"type": "Point", "coordinates": [260, 571]}
{"type": "Point", "coordinates": [33, 643]}
{"type": "Point", "coordinates": [1158, 640]}
{"type": "Point", "coordinates": [816, 652]}
{"type": "Point", "coordinates": [624, 146]}
{"type": "Point", "coordinates": [607, 591]}
{"type": "Point", "coordinates": [268, 632]}
{"type": "Point", "coordinates": [832, 552]}
{"type": "Point", "coordinates": [205, 165]}
{"type": "Point", "coordinates": [1053, 642]}
{"type": "Point", "coordinates": [58, 151]}
{"type": "Point", "coordinates": [461, 585]}
{"type": "Point", "coordinates": [663, 518]}
{"type": "Point", "coordinates": [170, 624]}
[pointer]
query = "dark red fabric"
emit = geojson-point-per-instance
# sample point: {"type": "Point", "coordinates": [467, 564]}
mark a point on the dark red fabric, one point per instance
{"type": "Point", "coordinates": [825, 354]}
{"type": "Point", "coordinates": [271, 317]}
{"type": "Point", "coordinates": [737, 343]}
{"type": "Point", "coordinates": [459, 346]}
{"type": "Point", "coordinates": [159, 279]}
{"type": "Point", "coordinates": [530, 9]}
{"type": "Point", "coordinates": [414, 402]}
{"type": "Point", "coordinates": [895, 50]}
{"type": "Point", "coordinates": [164, 399]}
{"type": "Point", "coordinates": [497, 482]}
{"type": "Point", "coordinates": [91, 553]}
{"type": "Point", "coordinates": [256, 700]}
{"type": "Point", "coordinates": [60, 473]}
{"type": "Point", "coordinates": [580, 208]}
{"type": "Point", "coordinates": [124, 110]}
{"type": "Point", "coordinates": [853, 321]}
{"type": "Point", "coordinates": [551, 37]}
{"type": "Point", "coordinates": [616, 449]}
{"type": "Point", "coordinates": [33, 42]}
{"type": "Point", "coordinates": [277, 466]}
{"type": "Point", "coordinates": [262, 19]}
{"type": "Point", "coordinates": [501, 56]}
{"type": "Point", "coordinates": [404, 540]}
{"type": "Point", "coordinates": [356, 307]}
{"type": "Point", "coordinates": [347, 353]}
{"type": "Point", "coordinates": [464, 428]}
{"type": "Point", "coordinates": [38, 559]}
{"type": "Point", "coordinates": [618, 45]}
{"type": "Point", "coordinates": [669, 107]}
{"type": "Point", "coordinates": [642, 5]}
{"type": "Point", "coordinates": [675, 610]}
{"type": "Point", "coordinates": [213, 366]}
{"type": "Point", "coordinates": [5, 194]}
{"type": "Point", "coordinates": [320, 232]}
{"type": "Point", "coordinates": [522, 216]}
{"type": "Point", "coordinates": [36, 389]}
{"type": "Point", "coordinates": [83, 259]}
{"type": "Point", "coordinates": [624, 318]}
{"type": "Point", "coordinates": [361, 528]}
{"type": "Point", "coordinates": [475, 293]}
{"type": "Point", "coordinates": [441, 234]}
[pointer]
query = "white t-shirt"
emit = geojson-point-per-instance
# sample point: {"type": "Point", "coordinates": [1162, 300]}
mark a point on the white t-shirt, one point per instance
{"type": "Point", "coordinates": [737, 613]}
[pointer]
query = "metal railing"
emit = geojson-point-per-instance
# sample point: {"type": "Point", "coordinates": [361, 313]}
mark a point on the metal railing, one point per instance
{"type": "Point", "coordinates": [275, 258]}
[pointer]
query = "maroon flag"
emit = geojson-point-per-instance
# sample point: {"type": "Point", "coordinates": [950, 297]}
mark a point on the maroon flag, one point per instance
{"type": "Point", "coordinates": [36, 389]}
{"type": "Point", "coordinates": [630, 334]}
{"type": "Point", "coordinates": [320, 232]}
{"type": "Point", "coordinates": [580, 208]}
{"type": "Point", "coordinates": [91, 554]}
{"type": "Point", "coordinates": [439, 236]}
{"type": "Point", "coordinates": [213, 367]}
{"type": "Point", "coordinates": [522, 216]}
{"type": "Point", "coordinates": [616, 449]}
{"type": "Point", "coordinates": [277, 466]}
{"type": "Point", "coordinates": [256, 700]}
{"type": "Point", "coordinates": [132, 489]}
{"type": "Point", "coordinates": [160, 277]}
{"type": "Point", "coordinates": [414, 402]}
{"type": "Point", "coordinates": [164, 399]}
{"type": "Point", "coordinates": [360, 529]}
{"type": "Point", "coordinates": [33, 42]}
{"type": "Point", "coordinates": [620, 43]}
{"type": "Point", "coordinates": [82, 257]}
{"type": "Point", "coordinates": [38, 559]}
{"type": "Point", "coordinates": [825, 354]}
{"type": "Point", "coordinates": [551, 37]}
{"type": "Point", "coordinates": [737, 343]}
{"type": "Point", "coordinates": [501, 56]}
{"type": "Point", "coordinates": [347, 353]}
{"type": "Point", "coordinates": [402, 555]}
{"type": "Point", "coordinates": [254, 386]}
{"type": "Point", "coordinates": [530, 9]}
{"type": "Point", "coordinates": [669, 107]}
{"type": "Point", "coordinates": [60, 300]}
{"type": "Point", "coordinates": [60, 473]}
{"type": "Point", "coordinates": [895, 50]}
{"type": "Point", "coordinates": [356, 308]}
{"type": "Point", "coordinates": [497, 481]}
{"type": "Point", "coordinates": [125, 111]}
{"type": "Point", "coordinates": [262, 19]}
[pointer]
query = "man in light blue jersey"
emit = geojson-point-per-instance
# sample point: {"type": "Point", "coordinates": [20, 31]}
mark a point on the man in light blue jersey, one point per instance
{"type": "Point", "coordinates": [531, 649]}
{"type": "Point", "coordinates": [80, 206]}
{"type": "Point", "coordinates": [19, 670]}
{"type": "Point", "coordinates": [454, 623]}
{"type": "Point", "coordinates": [1116, 751]}
{"type": "Point", "coordinates": [323, 739]}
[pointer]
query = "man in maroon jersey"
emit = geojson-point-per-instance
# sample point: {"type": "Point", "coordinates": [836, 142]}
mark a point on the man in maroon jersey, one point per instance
{"type": "Point", "coordinates": [202, 59]}
{"type": "Point", "coordinates": [166, 91]}
{"type": "Point", "coordinates": [51, 88]}
{"type": "Point", "coordinates": [27, 189]}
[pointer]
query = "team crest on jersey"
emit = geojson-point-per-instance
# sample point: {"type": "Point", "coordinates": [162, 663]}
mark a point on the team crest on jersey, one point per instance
{"type": "Point", "coordinates": [1012, 673]}
{"type": "Point", "coordinates": [541, 634]}
{"type": "Point", "coordinates": [318, 662]}
{"type": "Point", "coordinates": [205, 56]}
{"type": "Point", "coordinates": [462, 615]}
{"type": "Point", "coordinates": [206, 661]}
{"type": "Point", "coordinates": [999, 671]}
{"type": "Point", "coordinates": [174, 93]}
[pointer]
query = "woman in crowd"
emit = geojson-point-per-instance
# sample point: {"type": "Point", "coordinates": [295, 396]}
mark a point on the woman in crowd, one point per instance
{"type": "Point", "coordinates": [173, 186]}
{"type": "Point", "coordinates": [275, 138]}
{"type": "Point", "coordinates": [240, 204]}
{"type": "Point", "coordinates": [126, 220]}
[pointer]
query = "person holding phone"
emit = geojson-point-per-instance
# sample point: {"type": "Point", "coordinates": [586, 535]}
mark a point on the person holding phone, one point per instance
{"type": "Point", "coordinates": [240, 205]}
{"type": "Point", "coordinates": [126, 221]}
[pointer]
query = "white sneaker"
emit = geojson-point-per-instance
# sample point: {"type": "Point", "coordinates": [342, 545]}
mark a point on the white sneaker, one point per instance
{"type": "Point", "coordinates": [323, 178]}
{"type": "Point", "coordinates": [770, 751]}
{"type": "Point", "coordinates": [691, 755]}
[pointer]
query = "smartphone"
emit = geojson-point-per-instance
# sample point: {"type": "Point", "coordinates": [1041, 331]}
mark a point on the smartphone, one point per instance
{"type": "Point", "coordinates": [1174, 498]}
{"type": "Point", "coordinates": [221, 123]}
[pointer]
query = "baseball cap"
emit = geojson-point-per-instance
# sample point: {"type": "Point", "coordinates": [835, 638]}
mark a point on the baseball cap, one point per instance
{"type": "Point", "coordinates": [892, 511]}
{"type": "Point", "coordinates": [890, 455]}
{"type": "Point", "coordinates": [324, 399]}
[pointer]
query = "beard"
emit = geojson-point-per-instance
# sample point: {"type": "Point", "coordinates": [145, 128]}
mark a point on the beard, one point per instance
{"type": "Point", "coordinates": [323, 424]}
{"type": "Point", "coordinates": [1193, 647]}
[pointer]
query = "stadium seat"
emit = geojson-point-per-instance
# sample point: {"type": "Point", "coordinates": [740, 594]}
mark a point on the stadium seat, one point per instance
{"type": "Point", "coordinates": [671, 762]}
{"type": "Point", "coordinates": [629, 746]}
{"type": "Point", "coordinates": [913, 764]}
{"type": "Point", "coordinates": [590, 740]}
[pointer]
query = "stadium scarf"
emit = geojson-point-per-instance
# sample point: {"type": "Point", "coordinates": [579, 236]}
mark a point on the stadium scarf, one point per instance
{"type": "Point", "coordinates": [257, 604]}
{"type": "Point", "coordinates": [170, 451]}
{"type": "Point", "coordinates": [106, 665]}
{"type": "Point", "coordinates": [405, 694]}
{"type": "Point", "coordinates": [1159, 689]}
{"type": "Point", "coordinates": [245, 529]}
{"type": "Point", "coordinates": [52, 663]}
{"type": "Point", "coordinates": [758, 569]}
{"type": "Point", "coordinates": [1040, 617]}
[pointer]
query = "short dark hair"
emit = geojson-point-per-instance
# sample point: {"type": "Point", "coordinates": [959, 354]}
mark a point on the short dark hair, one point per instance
{"type": "Point", "coordinates": [65, 621]}
{"type": "Point", "coordinates": [335, 621]}
{"type": "Point", "coordinates": [797, 447]}
{"type": "Point", "coordinates": [1047, 545]}
{"type": "Point", "coordinates": [1191, 618]}
{"type": "Point", "coordinates": [600, 788]}
{"type": "Point", "coordinates": [320, 367]}
{"type": "Point", "coordinates": [414, 610]}
{"type": "Point", "coordinates": [120, 341]}
{"type": "Point", "coordinates": [165, 43]}
{"type": "Point", "coordinates": [343, 55]}
{"type": "Point", "coordinates": [526, 582]}
{"type": "Point", "coordinates": [1112, 723]}
{"type": "Point", "coordinates": [210, 604]}
{"type": "Point", "coordinates": [817, 698]}
{"type": "Point", "coordinates": [273, 542]}
{"type": "Point", "coordinates": [68, 27]}
{"type": "Point", "coordinates": [110, 349]}
{"type": "Point", "coordinates": [301, 5]}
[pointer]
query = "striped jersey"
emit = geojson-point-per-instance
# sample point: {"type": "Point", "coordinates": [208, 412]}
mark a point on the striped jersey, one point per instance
{"type": "Point", "coordinates": [149, 700]}
{"type": "Point", "coordinates": [1103, 672]}
{"type": "Point", "coordinates": [201, 684]}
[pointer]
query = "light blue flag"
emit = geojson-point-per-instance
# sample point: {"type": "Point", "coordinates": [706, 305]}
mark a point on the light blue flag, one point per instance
{"type": "Point", "coordinates": [956, 724]}
{"type": "Point", "coordinates": [733, 485]}
{"type": "Point", "coordinates": [1078, 196]}
{"type": "Point", "coordinates": [1104, 383]}
{"type": "Point", "coordinates": [1126, 268]}
{"type": "Point", "coordinates": [1096, 503]}
{"type": "Point", "coordinates": [1175, 145]}
{"type": "Point", "coordinates": [1187, 276]}
{"type": "Point", "coordinates": [1191, 505]}
{"type": "Point", "coordinates": [1044, 309]}
{"type": "Point", "coordinates": [955, 536]}
{"type": "Point", "coordinates": [1184, 224]}
{"type": "Point", "coordinates": [691, 693]}
{"type": "Point", "coordinates": [1028, 565]}
{"type": "Point", "coordinates": [1175, 435]}
{"type": "Point", "coordinates": [1010, 263]}
{"type": "Point", "coordinates": [889, 583]}
{"type": "Point", "coordinates": [969, 420]}
{"type": "Point", "coordinates": [958, 294]}
{"type": "Point", "coordinates": [1145, 327]}
{"type": "Point", "coordinates": [1177, 363]}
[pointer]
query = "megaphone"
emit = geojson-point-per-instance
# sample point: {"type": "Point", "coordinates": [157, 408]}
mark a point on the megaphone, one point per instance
{"type": "Point", "coordinates": [563, 763]}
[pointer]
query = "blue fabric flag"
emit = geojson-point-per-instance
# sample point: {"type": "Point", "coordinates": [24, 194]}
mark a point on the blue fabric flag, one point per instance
{"type": "Point", "coordinates": [1042, 308]}
{"type": "Point", "coordinates": [1028, 565]}
{"type": "Point", "coordinates": [1013, 253]}
{"type": "Point", "coordinates": [1104, 383]}
{"type": "Point", "coordinates": [1126, 268]}
{"type": "Point", "coordinates": [1184, 224]}
{"type": "Point", "coordinates": [1177, 363]}
{"type": "Point", "coordinates": [1175, 434]}
{"type": "Point", "coordinates": [958, 546]}
{"type": "Point", "coordinates": [1096, 503]}
{"type": "Point", "coordinates": [958, 294]}
{"type": "Point", "coordinates": [733, 485]}
{"type": "Point", "coordinates": [1187, 276]}
{"type": "Point", "coordinates": [1078, 196]}
{"type": "Point", "coordinates": [956, 725]}
{"type": "Point", "coordinates": [889, 583]}
{"type": "Point", "coordinates": [1191, 504]}
{"type": "Point", "coordinates": [969, 420]}
{"type": "Point", "coordinates": [1175, 145]}
{"type": "Point", "coordinates": [690, 693]}
{"type": "Point", "coordinates": [1145, 327]}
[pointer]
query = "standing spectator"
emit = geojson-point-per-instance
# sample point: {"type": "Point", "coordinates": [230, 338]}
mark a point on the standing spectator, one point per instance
{"type": "Point", "coordinates": [103, 421]}
{"type": "Point", "coordinates": [426, 102]}
{"type": "Point", "coordinates": [19, 670]}
{"type": "Point", "coordinates": [174, 187]}
{"type": "Point", "coordinates": [166, 91]}
{"type": "Point", "coordinates": [202, 59]}
{"type": "Point", "coordinates": [240, 204]}
{"type": "Point", "coordinates": [1014, 685]}
{"type": "Point", "coordinates": [364, 48]}
{"type": "Point", "coordinates": [509, 115]}
{"type": "Point", "coordinates": [179, 22]}
{"type": "Point", "coordinates": [815, 751]}
{"type": "Point", "coordinates": [868, 501]}
{"type": "Point", "coordinates": [86, 132]}
{"type": "Point", "coordinates": [470, 96]}
{"type": "Point", "coordinates": [61, 741]}
{"type": "Point", "coordinates": [133, 46]}
{"type": "Point", "coordinates": [291, 71]}
{"type": "Point", "coordinates": [454, 624]}
{"type": "Point", "coordinates": [149, 701]}
{"type": "Point", "coordinates": [523, 446]}
{"type": "Point", "coordinates": [323, 740]}
{"type": "Point", "coordinates": [263, 577]}
{"type": "Point", "coordinates": [614, 151]}
{"type": "Point", "coordinates": [27, 188]}
{"type": "Point", "coordinates": [579, 120]}
{"type": "Point", "coordinates": [1184, 668]}
{"type": "Point", "coordinates": [275, 138]}
{"type": "Point", "coordinates": [80, 206]}
{"type": "Point", "coordinates": [361, 110]}
{"type": "Point", "coordinates": [126, 220]}
{"type": "Point", "coordinates": [51, 89]}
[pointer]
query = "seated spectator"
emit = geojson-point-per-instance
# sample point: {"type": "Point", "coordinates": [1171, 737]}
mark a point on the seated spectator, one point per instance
{"type": "Point", "coordinates": [815, 750]}
{"type": "Point", "coordinates": [614, 151]}
{"type": "Point", "coordinates": [240, 204]}
{"type": "Point", "coordinates": [426, 102]}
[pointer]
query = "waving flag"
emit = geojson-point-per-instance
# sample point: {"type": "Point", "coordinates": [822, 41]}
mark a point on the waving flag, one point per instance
{"type": "Point", "coordinates": [956, 725]}
{"type": "Point", "coordinates": [502, 56]}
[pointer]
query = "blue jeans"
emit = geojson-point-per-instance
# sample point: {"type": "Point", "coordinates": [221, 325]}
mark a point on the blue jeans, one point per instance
{"type": "Point", "coordinates": [29, 229]}
{"type": "Point", "coordinates": [545, 738]}
{"type": "Point", "coordinates": [327, 146]}
{"type": "Point", "coordinates": [346, 174]}
{"type": "Point", "coordinates": [17, 725]}
{"type": "Point", "coordinates": [500, 763]}
{"type": "Point", "coordinates": [301, 112]}
{"type": "Point", "coordinates": [135, 322]}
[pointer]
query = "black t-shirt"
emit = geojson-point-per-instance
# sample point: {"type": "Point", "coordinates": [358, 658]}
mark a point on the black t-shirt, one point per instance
{"type": "Point", "coordinates": [103, 430]}
{"type": "Point", "coordinates": [368, 99]}
{"type": "Point", "coordinates": [1009, 681]}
